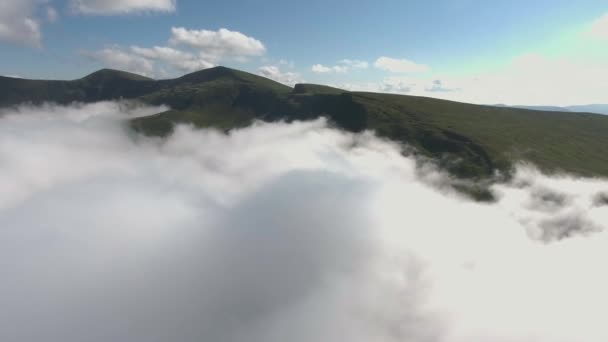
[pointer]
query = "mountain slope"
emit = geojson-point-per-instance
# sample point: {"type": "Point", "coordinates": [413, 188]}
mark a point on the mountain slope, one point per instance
{"type": "Point", "coordinates": [470, 141]}
{"type": "Point", "coordinates": [592, 108]}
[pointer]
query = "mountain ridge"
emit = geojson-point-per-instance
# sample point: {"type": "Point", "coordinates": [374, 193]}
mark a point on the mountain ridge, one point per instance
{"type": "Point", "coordinates": [589, 108]}
{"type": "Point", "coordinates": [470, 141]}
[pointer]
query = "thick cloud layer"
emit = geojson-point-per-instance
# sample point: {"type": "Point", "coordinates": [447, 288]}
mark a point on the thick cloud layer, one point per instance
{"type": "Point", "coordinates": [280, 232]}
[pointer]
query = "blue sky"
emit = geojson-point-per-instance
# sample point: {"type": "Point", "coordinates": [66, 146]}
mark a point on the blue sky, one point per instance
{"type": "Point", "coordinates": [515, 52]}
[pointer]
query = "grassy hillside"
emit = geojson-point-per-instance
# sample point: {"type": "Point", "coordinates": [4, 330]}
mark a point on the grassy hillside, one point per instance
{"type": "Point", "coordinates": [572, 142]}
{"type": "Point", "coordinates": [470, 141]}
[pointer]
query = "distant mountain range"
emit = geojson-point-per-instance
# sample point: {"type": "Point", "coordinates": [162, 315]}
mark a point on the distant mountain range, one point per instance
{"type": "Point", "coordinates": [470, 141]}
{"type": "Point", "coordinates": [592, 108]}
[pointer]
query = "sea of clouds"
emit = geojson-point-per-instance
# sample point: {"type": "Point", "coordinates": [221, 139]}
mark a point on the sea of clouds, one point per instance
{"type": "Point", "coordinates": [280, 232]}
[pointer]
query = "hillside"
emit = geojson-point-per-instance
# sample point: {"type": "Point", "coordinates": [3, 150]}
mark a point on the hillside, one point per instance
{"type": "Point", "coordinates": [471, 141]}
{"type": "Point", "coordinates": [592, 108]}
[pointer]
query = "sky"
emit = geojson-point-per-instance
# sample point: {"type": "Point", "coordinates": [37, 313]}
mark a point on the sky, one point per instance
{"type": "Point", "coordinates": [513, 52]}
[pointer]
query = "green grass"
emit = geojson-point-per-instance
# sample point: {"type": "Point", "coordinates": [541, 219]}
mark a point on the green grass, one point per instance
{"type": "Point", "coordinates": [555, 141]}
{"type": "Point", "coordinates": [470, 141]}
{"type": "Point", "coordinates": [110, 74]}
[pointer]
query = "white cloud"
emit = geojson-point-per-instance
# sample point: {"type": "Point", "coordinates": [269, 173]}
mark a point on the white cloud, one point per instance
{"type": "Point", "coordinates": [19, 23]}
{"type": "Point", "coordinates": [191, 65]}
{"type": "Point", "coordinates": [599, 29]}
{"type": "Point", "coordinates": [396, 85]}
{"type": "Point", "coordinates": [400, 65]}
{"type": "Point", "coordinates": [391, 85]}
{"type": "Point", "coordinates": [111, 7]}
{"type": "Point", "coordinates": [200, 237]}
{"type": "Point", "coordinates": [530, 79]}
{"type": "Point", "coordinates": [216, 45]}
{"type": "Point", "coordinates": [202, 49]}
{"type": "Point", "coordinates": [354, 63]}
{"type": "Point", "coordinates": [117, 58]}
{"type": "Point", "coordinates": [161, 52]}
{"type": "Point", "coordinates": [343, 66]}
{"type": "Point", "coordinates": [321, 69]}
{"type": "Point", "coordinates": [275, 73]}
{"type": "Point", "coordinates": [438, 86]}
{"type": "Point", "coordinates": [400, 85]}
{"type": "Point", "coordinates": [358, 86]}
{"type": "Point", "coordinates": [158, 61]}
{"type": "Point", "coordinates": [181, 60]}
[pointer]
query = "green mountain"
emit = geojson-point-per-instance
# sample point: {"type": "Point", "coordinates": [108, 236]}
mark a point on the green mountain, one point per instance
{"type": "Point", "coordinates": [592, 108]}
{"type": "Point", "coordinates": [470, 141]}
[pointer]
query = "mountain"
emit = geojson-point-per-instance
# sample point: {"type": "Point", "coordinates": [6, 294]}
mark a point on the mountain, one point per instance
{"type": "Point", "coordinates": [545, 108]}
{"type": "Point", "coordinates": [592, 108]}
{"type": "Point", "coordinates": [470, 141]}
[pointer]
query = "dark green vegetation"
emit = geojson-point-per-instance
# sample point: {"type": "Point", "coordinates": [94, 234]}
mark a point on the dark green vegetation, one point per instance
{"type": "Point", "coordinates": [470, 141]}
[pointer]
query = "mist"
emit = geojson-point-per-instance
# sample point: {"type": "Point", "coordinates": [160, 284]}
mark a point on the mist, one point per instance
{"type": "Point", "coordinates": [280, 232]}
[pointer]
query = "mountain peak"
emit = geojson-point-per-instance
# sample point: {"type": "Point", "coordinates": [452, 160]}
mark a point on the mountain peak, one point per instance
{"type": "Point", "coordinates": [107, 74]}
{"type": "Point", "coordinates": [222, 72]}
{"type": "Point", "coordinates": [211, 74]}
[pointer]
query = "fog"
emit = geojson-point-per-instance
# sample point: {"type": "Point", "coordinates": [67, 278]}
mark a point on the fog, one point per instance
{"type": "Point", "coordinates": [280, 232]}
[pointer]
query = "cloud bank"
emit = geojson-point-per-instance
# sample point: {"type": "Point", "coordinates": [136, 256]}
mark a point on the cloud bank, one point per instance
{"type": "Point", "coordinates": [280, 232]}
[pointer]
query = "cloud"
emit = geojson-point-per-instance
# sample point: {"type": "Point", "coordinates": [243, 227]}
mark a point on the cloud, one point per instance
{"type": "Point", "coordinates": [181, 60]}
{"type": "Point", "coordinates": [343, 66]}
{"type": "Point", "coordinates": [358, 86]}
{"type": "Point", "coordinates": [599, 29]}
{"type": "Point", "coordinates": [396, 85]}
{"type": "Point", "coordinates": [215, 45]}
{"type": "Point", "coordinates": [535, 79]}
{"type": "Point", "coordinates": [354, 63]}
{"type": "Point", "coordinates": [319, 68]}
{"type": "Point", "coordinates": [117, 58]}
{"type": "Point", "coordinates": [278, 232]}
{"type": "Point", "coordinates": [19, 23]}
{"type": "Point", "coordinates": [529, 79]}
{"type": "Point", "coordinates": [568, 78]}
{"type": "Point", "coordinates": [322, 69]}
{"type": "Point", "coordinates": [437, 86]}
{"type": "Point", "coordinates": [400, 85]}
{"type": "Point", "coordinates": [400, 65]}
{"type": "Point", "coordinates": [161, 52]}
{"type": "Point", "coordinates": [191, 50]}
{"type": "Point", "coordinates": [112, 7]}
{"type": "Point", "coordinates": [274, 72]}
